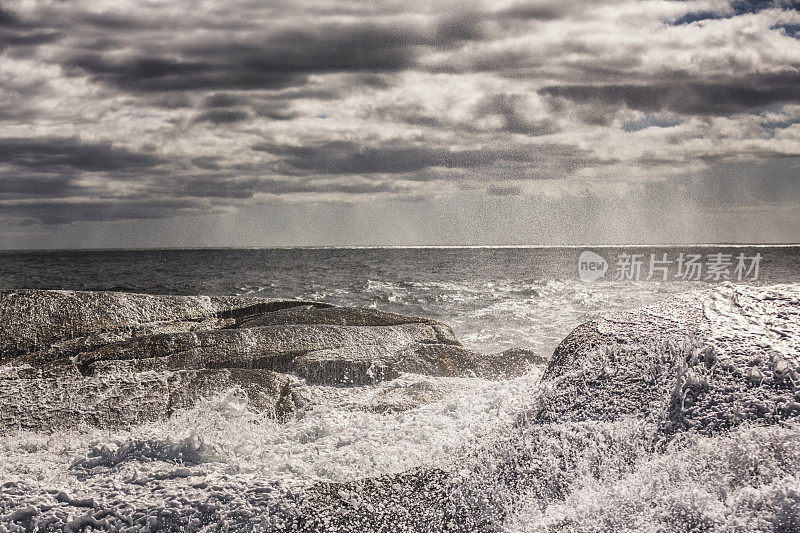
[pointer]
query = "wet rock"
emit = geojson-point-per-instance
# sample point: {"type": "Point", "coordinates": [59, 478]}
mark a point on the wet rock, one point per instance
{"type": "Point", "coordinates": [364, 364]}
{"type": "Point", "coordinates": [123, 399]}
{"type": "Point", "coordinates": [417, 501]}
{"type": "Point", "coordinates": [406, 396]}
{"type": "Point", "coordinates": [453, 361]}
{"type": "Point", "coordinates": [272, 347]}
{"type": "Point", "coordinates": [34, 319]}
{"type": "Point", "coordinates": [703, 361]}
{"type": "Point", "coordinates": [145, 356]}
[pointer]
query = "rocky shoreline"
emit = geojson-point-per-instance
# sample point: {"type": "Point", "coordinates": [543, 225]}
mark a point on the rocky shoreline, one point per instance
{"type": "Point", "coordinates": [618, 392]}
{"type": "Point", "coordinates": [114, 359]}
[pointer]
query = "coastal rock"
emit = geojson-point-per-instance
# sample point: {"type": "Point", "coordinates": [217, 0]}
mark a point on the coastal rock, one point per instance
{"type": "Point", "coordinates": [364, 363]}
{"type": "Point", "coordinates": [272, 347]}
{"type": "Point", "coordinates": [35, 319]}
{"type": "Point", "coordinates": [145, 356]}
{"type": "Point", "coordinates": [406, 396]}
{"type": "Point", "coordinates": [125, 399]}
{"type": "Point", "coordinates": [705, 362]}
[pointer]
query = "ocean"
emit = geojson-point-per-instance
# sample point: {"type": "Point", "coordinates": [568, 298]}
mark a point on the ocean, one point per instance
{"type": "Point", "coordinates": [494, 298]}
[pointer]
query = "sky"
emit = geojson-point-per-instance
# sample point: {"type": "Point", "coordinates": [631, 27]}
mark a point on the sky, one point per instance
{"type": "Point", "coordinates": [322, 123]}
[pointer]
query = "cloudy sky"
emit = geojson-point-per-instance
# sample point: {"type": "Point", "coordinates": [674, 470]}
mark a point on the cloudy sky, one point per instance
{"type": "Point", "coordinates": [337, 122]}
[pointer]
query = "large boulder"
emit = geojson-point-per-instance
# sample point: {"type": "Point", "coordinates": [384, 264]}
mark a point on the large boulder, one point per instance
{"type": "Point", "coordinates": [705, 362]}
{"type": "Point", "coordinates": [32, 402]}
{"type": "Point", "coordinates": [34, 319]}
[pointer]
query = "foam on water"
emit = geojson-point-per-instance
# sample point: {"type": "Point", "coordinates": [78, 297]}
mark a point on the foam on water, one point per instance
{"type": "Point", "coordinates": [337, 439]}
{"type": "Point", "coordinates": [746, 480]}
{"type": "Point", "coordinates": [748, 313]}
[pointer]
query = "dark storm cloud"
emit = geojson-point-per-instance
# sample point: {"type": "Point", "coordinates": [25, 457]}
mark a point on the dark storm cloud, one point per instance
{"type": "Point", "coordinates": [649, 121]}
{"type": "Point", "coordinates": [219, 108]}
{"type": "Point", "coordinates": [15, 32]}
{"type": "Point", "coordinates": [213, 186]}
{"type": "Point", "coordinates": [689, 98]}
{"type": "Point", "coordinates": [344, 157]}
{"type": "Point", "coordinates": [207, 163]}
{"type": "Point", "coordinates": [116, 23]}
{"type": "Point", "coordinates": [32, 38]}
{"type": "Point", "coordinates": [548, 10]}
{"type": "Point", "coordinates": [13, 186]}
{"type": "Point", "coordinates": [222, 116]}
{"type": "Point", "coordinates": [224, 100]}
{"type": "Point", "coordinates": [537, 10]}
{"type": "Point", "coordinates": [51, 154]}
{"type": "Point", "coordinates": [466, 26]}
{"type": "Point", "coordinates": [281, 60]}
{"type": "Point", "coordinates": [156, 73]}
{"type": "Point", "coordinates": [275, 112]}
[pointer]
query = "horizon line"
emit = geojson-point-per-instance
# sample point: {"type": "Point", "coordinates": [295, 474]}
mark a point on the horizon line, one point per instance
{"type": "Point", "coordinates": [402, 247]}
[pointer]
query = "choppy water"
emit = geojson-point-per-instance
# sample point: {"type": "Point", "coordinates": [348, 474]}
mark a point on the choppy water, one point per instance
{"type": "Point", "coordinates": [494, 298]}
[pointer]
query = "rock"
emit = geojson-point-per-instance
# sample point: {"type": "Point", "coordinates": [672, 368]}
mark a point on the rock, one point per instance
{"type": "Point", "coordinates": [124, 399]}
{"type": "Point", "coordinates": [406, 396]}
{"type": "Point", "coordinates": [686, 363]}
{"type": "Point", "coordinates": [453, 361]}
{"type": "Point", "coordinates": [363, 364]}
{"type": "Point", "coordinates": [273, 347]}
{"type": "Point", "coordinates": [146, 356]}
{"type": "Point", "coordinates": [34, 319]}
{"type": "Point", "coordinates": [417, 501]}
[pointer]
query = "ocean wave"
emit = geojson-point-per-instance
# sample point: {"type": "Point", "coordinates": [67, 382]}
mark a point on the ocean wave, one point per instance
{"type": "Point", "coordinates": [746, 480]}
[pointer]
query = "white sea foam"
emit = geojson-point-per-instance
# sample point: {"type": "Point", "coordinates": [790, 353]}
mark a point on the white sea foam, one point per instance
{"type": "Point", "coordinates": [744, 481]}
{"type": "Point", "coordinates": [336, 439]}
